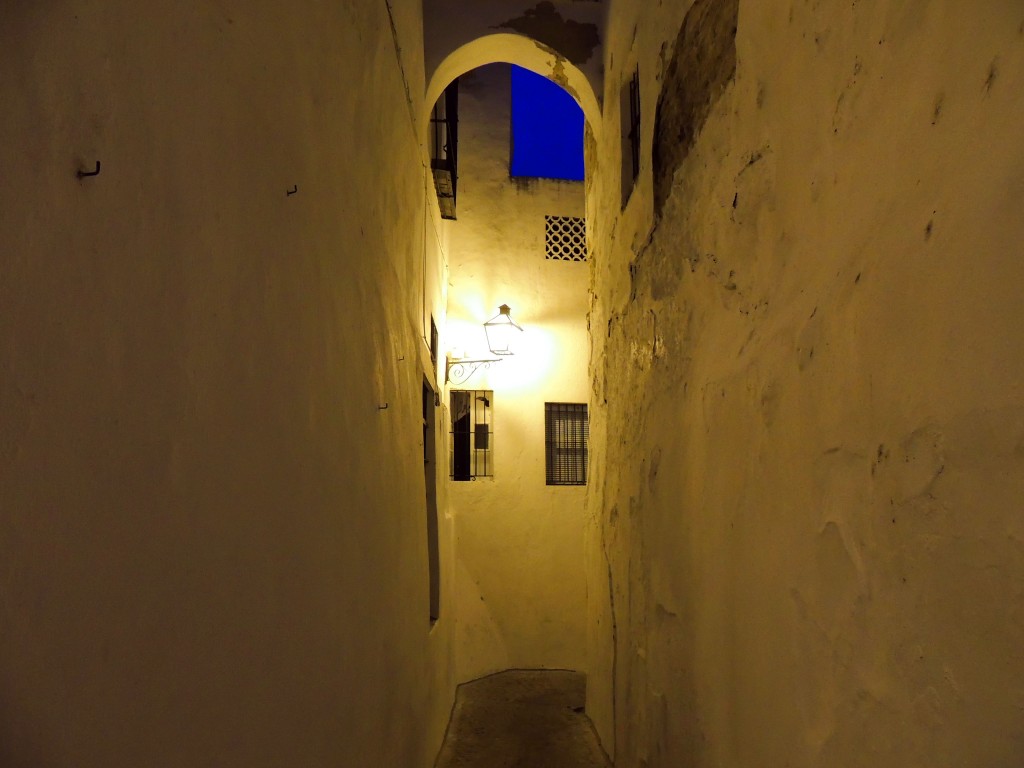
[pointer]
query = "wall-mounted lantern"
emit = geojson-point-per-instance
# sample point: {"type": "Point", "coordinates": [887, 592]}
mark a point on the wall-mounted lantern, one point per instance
{"type": "Point", "coordinates": [500, 331]}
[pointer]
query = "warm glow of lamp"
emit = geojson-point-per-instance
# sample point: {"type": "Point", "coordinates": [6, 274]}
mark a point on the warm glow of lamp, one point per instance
{"type": "Point", "coordinates": [501, 330]}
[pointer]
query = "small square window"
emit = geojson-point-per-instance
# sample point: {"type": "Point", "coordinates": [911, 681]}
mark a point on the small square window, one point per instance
{"type": "Point", "coordinates": [566, 432]}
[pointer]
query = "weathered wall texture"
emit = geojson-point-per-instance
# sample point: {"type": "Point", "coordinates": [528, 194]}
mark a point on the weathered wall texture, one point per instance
{"type": "Point", "coordinates": [809, 421]}
{"type": "Point", "coordinates": [521, 590]}
{"type": "Point", "coordinates": [703, 63]}
{"type": "Point", "coordinates": [212, 542]}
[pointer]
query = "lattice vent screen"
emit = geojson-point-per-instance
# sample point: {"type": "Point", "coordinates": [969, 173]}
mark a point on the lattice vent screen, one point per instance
{"type": "Point", "coordinates": [565, 238]}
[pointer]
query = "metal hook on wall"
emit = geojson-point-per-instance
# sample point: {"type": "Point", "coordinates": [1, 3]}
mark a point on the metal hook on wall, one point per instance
{"type": "Point", "coordinates": [293, 190]}
{"type": "Point", "coordinates": [86, 174]}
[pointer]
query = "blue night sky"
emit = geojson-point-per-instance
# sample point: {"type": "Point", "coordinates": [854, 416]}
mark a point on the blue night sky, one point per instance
{"type": "Point", "coordinates": [547, 129]}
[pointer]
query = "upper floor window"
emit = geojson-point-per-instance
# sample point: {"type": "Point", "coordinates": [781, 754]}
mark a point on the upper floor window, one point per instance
{"type": "Point", "coordinates": [444, 148]}
{"type": "Point", "coordinates": [629, 112]}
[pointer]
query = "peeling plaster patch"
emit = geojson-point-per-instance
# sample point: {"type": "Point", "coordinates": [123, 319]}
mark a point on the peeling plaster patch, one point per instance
{"type": "Point", "coordinates": [771, 396]}
{"type": "Point", "coordinates": [652, 475]}
{"type": "Point", "coordinates": [937, 110]}
{"type": "Point", "coordinates": [591, 160]}
{"type": "Point", "coordinates": [755, 158]}
{"type": "Point", "coordinates": [558, 71]}
{"type": "Point", "coordinates": [703, 64]}
{"type": "Point", "coordinates": [993, 73]}
{"type": "Point", "coordinates": [573, 39]}
{"type": "Point", "coordinates": [836, 582]}
{"type": "Point", "coordinates": [559, 76]}
{"type": "Point", "coordinates": [847, 101]}
{"type": "Point", "coordinates": [612, 517]}
{"type": "Point", "coordinates": [923, 463]}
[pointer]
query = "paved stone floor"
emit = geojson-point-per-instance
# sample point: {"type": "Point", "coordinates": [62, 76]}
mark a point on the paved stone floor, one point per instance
{"type": "Point", "coordinates": [522, 719]}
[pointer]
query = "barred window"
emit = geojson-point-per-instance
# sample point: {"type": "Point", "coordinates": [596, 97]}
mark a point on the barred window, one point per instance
{"type": "Point", "coordinates": [472, 441]}
{"type": "Point", "coordinates": [565, 238]}
{"type": "Point", "coordinates": [566, 432]}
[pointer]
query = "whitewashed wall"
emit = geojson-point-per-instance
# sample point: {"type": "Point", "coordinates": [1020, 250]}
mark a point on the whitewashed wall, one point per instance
{"type": "Point", "coordinates": [212, 538]}
{"type": "Point", "coordinates": [809, 470]}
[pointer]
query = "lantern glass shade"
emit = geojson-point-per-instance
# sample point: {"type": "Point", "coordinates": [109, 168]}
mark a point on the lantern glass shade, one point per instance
{"type": "Point", "coordinates": [501, 331]}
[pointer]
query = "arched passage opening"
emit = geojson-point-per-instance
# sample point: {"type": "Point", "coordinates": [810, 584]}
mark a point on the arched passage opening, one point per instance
{"type": "Point", "coordinates": [519, 50]}
{"type": "Point", "coordinates": [520, 585]}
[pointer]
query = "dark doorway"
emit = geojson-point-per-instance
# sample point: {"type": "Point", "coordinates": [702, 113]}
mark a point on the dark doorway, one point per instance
{"type": "Point", "coordinates": [430, 481]}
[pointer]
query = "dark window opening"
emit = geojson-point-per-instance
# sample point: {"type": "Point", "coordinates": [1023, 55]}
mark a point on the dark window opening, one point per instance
{"type": "Point", "coordinates": [472, 438]}
{"type": "Point", "coordinates": [547, 129]}
{"type": "Point", "coordinates": [433, 345]}
{"type": "Point", "coordinates": [430, 479]}
{"type": "Point", "coordinates": [444, 148]}
{"type": "Point", "coordinates": [629, 110]}
{"type": "Point", "coordinates": [566, 432]}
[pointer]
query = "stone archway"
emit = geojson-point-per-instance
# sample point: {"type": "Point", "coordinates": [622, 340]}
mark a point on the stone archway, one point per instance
{"type": "Point", "coordinates": [522, 51]}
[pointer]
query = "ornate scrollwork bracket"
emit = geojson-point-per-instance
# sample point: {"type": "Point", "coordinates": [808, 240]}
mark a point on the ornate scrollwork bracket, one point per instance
{"type": "Point", "coordinates": [458, 371]}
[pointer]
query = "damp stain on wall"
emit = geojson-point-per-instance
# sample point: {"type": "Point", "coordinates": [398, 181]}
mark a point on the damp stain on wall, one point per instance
{"type": "Point", "coordinates": [574, 40]}
{"type": "Point", "coordinates": [704, 62]}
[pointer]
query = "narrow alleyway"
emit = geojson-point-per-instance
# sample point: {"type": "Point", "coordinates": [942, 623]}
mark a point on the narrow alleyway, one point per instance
{"type": "Point", "coordinates": [522, 719]}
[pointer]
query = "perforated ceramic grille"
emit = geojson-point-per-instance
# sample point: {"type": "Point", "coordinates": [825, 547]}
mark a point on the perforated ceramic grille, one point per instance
{"type": "Point", "coordinates": [565, 238]}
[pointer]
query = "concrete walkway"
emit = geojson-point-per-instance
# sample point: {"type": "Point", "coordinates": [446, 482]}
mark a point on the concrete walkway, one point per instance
{"type": "Point", "coordinates": [522, 719]}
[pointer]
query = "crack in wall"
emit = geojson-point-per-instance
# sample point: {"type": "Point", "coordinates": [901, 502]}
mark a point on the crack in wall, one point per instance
{"type": "Point", "coordinates": [401, 65]}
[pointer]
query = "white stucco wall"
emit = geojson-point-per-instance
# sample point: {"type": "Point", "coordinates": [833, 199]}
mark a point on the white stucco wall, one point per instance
{"type": "Point", "coordinates": [521, 599]}
{"type": "Point", "coordinates": [212, 540]}
{"type": "Point", "coordinates": [808, 476]}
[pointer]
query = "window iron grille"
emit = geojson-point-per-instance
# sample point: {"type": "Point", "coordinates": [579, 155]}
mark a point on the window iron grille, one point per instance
{"type": "Point", "coordinates": [566, 435]}
{"type": "Point", "coordinates": [472, 437]}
